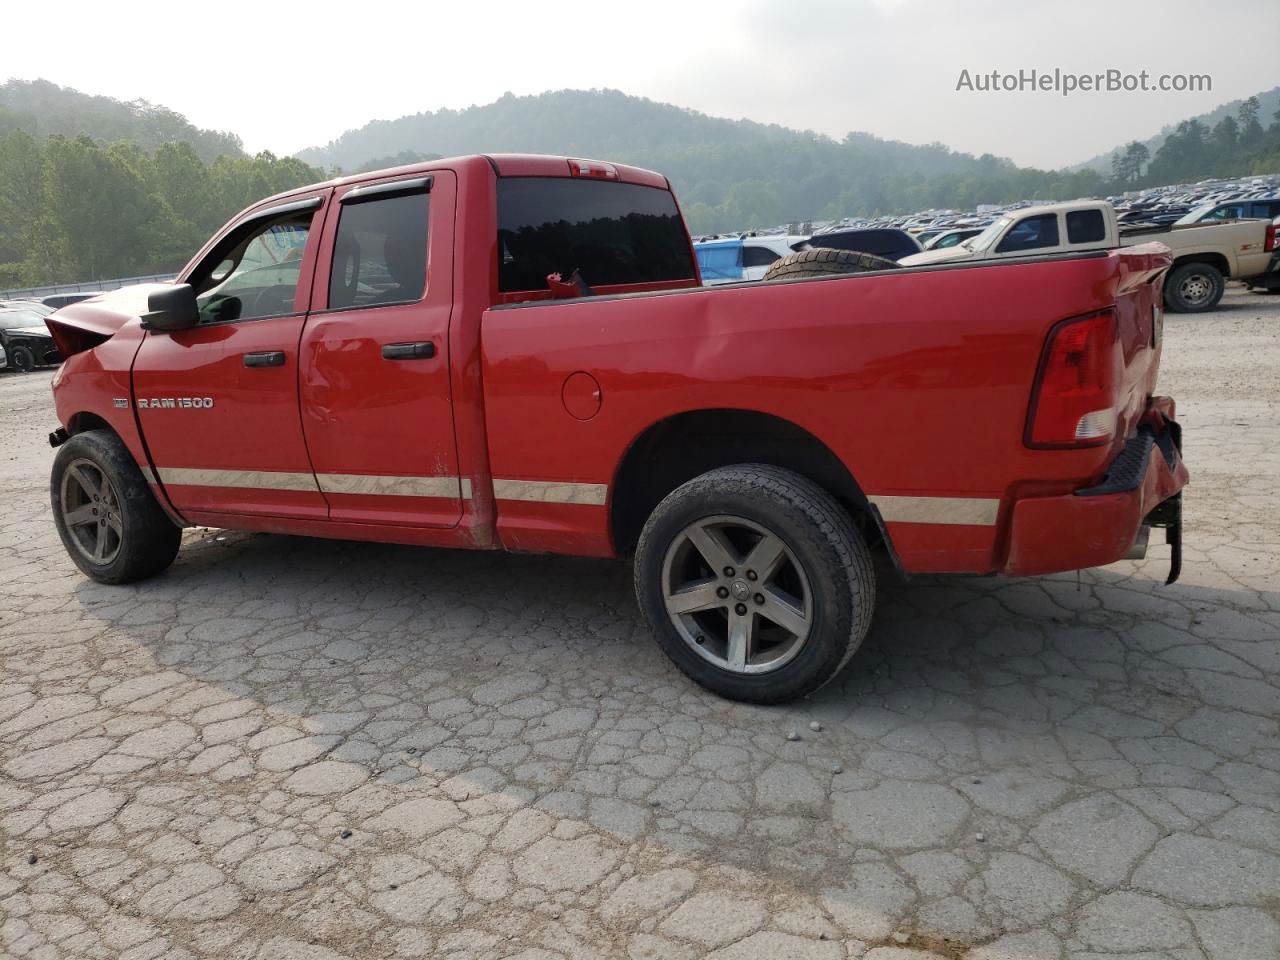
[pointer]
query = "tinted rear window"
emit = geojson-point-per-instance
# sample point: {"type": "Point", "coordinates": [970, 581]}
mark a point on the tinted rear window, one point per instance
{"type": "Point", "coordinates": [380, 252]}
{"type": "Point", "coordinates": [612, 233]}
{"type": "Point", "coordinates": [1085, 226]}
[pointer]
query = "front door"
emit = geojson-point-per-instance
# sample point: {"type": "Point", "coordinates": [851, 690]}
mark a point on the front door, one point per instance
{"type": "Point", "coordinates": [376, 406]}
{"type": "Point", "coordinates": [218, 403]}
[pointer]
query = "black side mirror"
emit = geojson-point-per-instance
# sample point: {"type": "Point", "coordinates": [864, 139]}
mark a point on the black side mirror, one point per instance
{"type": "Point", "coordinates": [173, 308]}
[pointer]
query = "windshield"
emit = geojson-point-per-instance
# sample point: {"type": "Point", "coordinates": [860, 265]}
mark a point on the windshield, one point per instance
{"type": "Point", "coordinates": [987, 236]}
{"type": "Point", "coordinates": [1195, 215]}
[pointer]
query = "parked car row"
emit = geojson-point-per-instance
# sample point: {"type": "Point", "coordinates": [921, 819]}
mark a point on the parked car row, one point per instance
{"type": "Point", "coordinates": [749, 256]}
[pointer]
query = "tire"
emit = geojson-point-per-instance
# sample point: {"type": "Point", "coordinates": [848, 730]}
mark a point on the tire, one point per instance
{"type": "Point", "coordinates": [821, 262]}
{"type": "Point", "coordinates": [137, 538]}
{"type": "Point", "coordinates": [823, 573]}
{"type": "Point", "coordinates": [22, 359]}
{"type": "Point", "coordinates": [1193, 288]}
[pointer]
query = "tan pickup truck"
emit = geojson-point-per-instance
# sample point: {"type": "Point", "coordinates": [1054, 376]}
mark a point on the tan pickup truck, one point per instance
{"type": "Point", "coordinates": [1205, 256]}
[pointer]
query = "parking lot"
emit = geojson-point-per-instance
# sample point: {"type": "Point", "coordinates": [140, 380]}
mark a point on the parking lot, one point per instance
{"type": "Point", "coordinates": [287, 748]}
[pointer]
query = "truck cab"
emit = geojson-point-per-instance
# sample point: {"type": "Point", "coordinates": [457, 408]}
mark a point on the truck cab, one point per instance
{"type": "Point", "coordinates": [1052, 228]}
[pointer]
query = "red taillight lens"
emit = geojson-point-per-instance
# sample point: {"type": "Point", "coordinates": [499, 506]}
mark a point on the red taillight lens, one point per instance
{"type": "Point", "coordinates": [1074, 400]}
{"type": "Point", "coordinates": [593, 169]}
{"type": "Point", "coordinates": [1271, 239]}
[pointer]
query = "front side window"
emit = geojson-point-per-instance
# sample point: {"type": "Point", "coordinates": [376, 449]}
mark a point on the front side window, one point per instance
{"type": "Point", "coordinates": [611, 233]}
{"type": "Point", "coordinates": [255, 272]}
{"type": "Point", "coordinates": [380, 252]}
{"type": "Point", "coordinates": [1033, 233]}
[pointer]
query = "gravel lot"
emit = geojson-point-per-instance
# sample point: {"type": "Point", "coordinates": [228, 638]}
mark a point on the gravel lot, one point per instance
{"type": "Point", "coordinates": [288, 748]}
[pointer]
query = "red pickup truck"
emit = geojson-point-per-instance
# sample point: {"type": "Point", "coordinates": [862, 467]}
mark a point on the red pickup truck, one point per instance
{"type": "Point", "coordinates": [515, 352]}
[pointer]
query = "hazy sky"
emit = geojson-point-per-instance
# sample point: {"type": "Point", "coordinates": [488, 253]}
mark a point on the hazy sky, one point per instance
{"type": "Point", "coordinates": [289, 75]}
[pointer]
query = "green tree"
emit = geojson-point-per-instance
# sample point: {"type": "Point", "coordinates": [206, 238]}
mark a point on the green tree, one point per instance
{"type": "Point", "coordinates": [1250, 129]}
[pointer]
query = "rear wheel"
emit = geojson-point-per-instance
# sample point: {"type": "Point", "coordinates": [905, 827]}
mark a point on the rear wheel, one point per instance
{"type": "Point", "coordinates": [755, 582]}
{"type": "Point", "coordinates": [22, 359]}
{"type": "Point", "coordinates": [105, 513]}
{"type": "Point", "coordinates": [1193, 288]}
{"type": "Point", "coordinates": [821, 262]}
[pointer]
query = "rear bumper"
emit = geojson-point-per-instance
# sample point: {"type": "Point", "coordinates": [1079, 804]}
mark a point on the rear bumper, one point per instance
{"type": "Point", "coordinates": [1098, 525]}
{"type": "Point", "coordinates": [1269, 280]}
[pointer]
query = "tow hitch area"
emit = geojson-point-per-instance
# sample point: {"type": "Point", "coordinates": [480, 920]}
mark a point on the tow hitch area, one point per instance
{"type": "Point", "coordinates": [1169, 516]}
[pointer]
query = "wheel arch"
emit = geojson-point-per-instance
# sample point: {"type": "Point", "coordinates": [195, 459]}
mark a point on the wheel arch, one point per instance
{"type": "Point", "coordinates": [1216, 260]}
{"type": "Point", "coordinates": [682, 446]}
{"type": "Point", "coordinates": [85, 421]}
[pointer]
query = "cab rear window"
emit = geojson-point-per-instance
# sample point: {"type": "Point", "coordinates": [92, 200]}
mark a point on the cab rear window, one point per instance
{"type": "Point", "coordinates": [611, 233]}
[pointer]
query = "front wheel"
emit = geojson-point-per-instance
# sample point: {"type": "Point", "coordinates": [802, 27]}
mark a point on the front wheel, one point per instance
{"type": "Point", "coordinates": [105, 513]}
{"type": "Point", "coordinates": [756, 582]}
{"type": "Point", "coordinates": [1193, 288]}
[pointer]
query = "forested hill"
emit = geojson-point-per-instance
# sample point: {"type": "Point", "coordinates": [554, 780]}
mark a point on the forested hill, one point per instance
{"type": "Point", "coordinates": [1268, 107]}
{"type": "Point", "coordinates": [735, 174]}
{"type": "Point", "coordinates": [45, 109]}
{"type": "Point", "coordinates": [728, 172]}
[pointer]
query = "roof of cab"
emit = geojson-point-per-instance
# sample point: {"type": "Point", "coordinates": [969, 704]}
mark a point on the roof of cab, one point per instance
{"type": "Point", "coordinates": [503, 164]}
{"type": "Point", "coordinates": [1057, 208]}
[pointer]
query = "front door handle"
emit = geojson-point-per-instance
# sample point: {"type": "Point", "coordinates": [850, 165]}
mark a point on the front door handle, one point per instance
{"type": "Point", "coordinates": [265, 358]}
{"type": "Point", "coordinates": [408, 351]}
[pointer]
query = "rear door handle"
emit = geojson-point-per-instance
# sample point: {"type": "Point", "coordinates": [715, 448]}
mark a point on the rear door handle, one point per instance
{"type": "Point", "coordinates": [265, 358]}
{"type": "Point", "coordinates": [408, 351]}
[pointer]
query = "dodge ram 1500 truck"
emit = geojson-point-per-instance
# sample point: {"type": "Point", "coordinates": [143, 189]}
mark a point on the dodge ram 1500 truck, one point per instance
{"type": "Point", "coordinates": [1205, 256]}
{"type": "Point", "coordinates": [515, 352]}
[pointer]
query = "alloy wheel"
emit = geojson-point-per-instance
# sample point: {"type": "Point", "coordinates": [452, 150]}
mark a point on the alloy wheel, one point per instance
{"type": "Point", "coordinates": [91, 512]}
{"type": "Point", "coordinates": [737, 594]}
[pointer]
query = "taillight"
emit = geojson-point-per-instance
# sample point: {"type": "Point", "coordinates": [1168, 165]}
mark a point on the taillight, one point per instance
{"type": "Point", "coordinates": [593, 169]}
{"type": "Point", "coordinates": [1073, 403]}
{"type": "Point", "coordinates": [1271, 238]}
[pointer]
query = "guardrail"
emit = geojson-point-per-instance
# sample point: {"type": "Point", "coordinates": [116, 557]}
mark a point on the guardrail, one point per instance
{"type": "Point", "coordinates": [88, 286]}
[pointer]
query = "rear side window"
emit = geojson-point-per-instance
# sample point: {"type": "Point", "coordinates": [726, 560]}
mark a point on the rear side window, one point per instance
{"type": "Point", "coordinates": [380, 252]}
{"type": "Point", "coordinates": [1266, 210]}
{"type": "Point", "coordinates": [1032, 233]}
{"type": "Point", "coordinates": [758, 257]}
{"type": "Point", "coordinates": [612, 233]}
{"type": "Point", "coordinates": [1085, 226]}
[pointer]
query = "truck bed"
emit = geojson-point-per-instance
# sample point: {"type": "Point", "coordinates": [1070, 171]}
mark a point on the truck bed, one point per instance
{"type": "Point", "coordinates": [918, 380]}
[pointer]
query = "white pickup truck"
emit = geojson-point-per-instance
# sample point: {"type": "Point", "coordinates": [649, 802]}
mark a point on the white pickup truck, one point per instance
{"type": "Point", "coordinates": [1205, 256]}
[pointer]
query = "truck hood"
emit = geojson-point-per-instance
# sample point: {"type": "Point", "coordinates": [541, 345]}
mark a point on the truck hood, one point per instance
{"type": "Point", "coordinates": [81, 326]}
{"type": "Point", "coordinates": [946, 255]}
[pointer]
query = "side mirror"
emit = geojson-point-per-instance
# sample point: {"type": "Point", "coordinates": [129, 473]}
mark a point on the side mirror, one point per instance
{"type": "Point", "coordinates": [170, 309]}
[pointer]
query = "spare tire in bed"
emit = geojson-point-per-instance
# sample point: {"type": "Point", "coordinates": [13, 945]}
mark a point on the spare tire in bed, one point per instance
{"type": "Point", "coordinates": [821, 262]}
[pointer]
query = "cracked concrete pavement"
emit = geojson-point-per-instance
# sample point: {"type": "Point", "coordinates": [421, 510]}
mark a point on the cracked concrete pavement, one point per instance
{"type": "Point", "coordinates": [286, 748]}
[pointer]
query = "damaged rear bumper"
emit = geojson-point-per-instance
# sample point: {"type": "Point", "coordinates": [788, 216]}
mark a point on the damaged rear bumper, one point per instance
{"type": "Point", "coordinates": [1111, 519]}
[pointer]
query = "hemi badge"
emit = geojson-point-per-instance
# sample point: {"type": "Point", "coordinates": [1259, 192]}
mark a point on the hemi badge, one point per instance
{"type": "Point", "coordinates": [120, 403]}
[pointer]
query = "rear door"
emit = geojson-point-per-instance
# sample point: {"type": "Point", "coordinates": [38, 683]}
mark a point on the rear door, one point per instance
{"type": "Point", "coordinates": [218, 403]}
{"type": "Point", "coordinates": [376, 406]}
